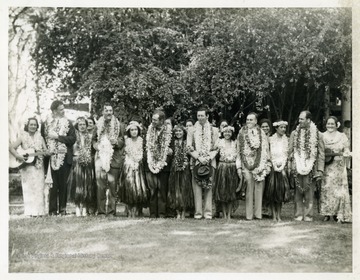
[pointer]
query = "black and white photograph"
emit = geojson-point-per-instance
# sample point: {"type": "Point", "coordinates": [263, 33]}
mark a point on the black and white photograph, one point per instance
{"type": "Point", "coordinates": [180, 137]}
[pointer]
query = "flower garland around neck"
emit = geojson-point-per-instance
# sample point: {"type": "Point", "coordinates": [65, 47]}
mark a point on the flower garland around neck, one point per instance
{"type": "Point", "coordinates": [203, 138]}
{"type": "Point", "coordinates": [157, 146]}
{"type": "Point", "coordinates": [180, 155]}
{"type": "Point", "coordinates": [84, 157]}
{"type": "Point", "coordinates": [305, 148]}
{"type": "Point", "coordinates": [279, 146]}
{"type": "Point", "coordinates": [107, 132]}
{"type": "Point", "coordinates": [305, 153]}
{"type": "Point", "coordinates": [133, 152]}
{"type": "Point", "coordinates": [256, 149]}
{"type": "Point", "coordinates": [58, 149]}
{"type": "Point", "coordinates": [227, 152]}
{"type": "Point", "coordinates": [35, 143]}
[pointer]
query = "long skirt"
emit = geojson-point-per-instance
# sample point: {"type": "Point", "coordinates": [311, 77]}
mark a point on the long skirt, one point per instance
{"type": "Point", "coordinates": [278, 189]}
{"type": "Point", "coordinates": [35, 194]}
{"type": "Point", "coordinates": [335, 198]}
{"type": "Point", "coordinates": [226, 182]}
{"type": "Point", "coordinates": [180, 193]}
{"type": "Point", "coordinates": [81, 184]}
{"type": "Point", "coordinates": [133, 190]}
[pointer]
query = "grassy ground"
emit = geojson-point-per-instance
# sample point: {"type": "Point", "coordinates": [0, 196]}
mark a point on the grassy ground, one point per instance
{"type": "Point", "coordinates": [119, 244]}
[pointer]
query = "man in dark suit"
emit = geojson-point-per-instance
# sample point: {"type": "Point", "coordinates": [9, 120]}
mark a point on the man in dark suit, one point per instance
{"type": "Point", "coordinates": [157, 167]}
{"type": "Point", "coordinates": [108, 142]}
{"type": "Point", "coordinates": [60, 137]}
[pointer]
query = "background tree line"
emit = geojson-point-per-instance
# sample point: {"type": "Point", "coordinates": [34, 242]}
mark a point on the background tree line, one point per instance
{"type": "Point", "coordinates": [276, 62]}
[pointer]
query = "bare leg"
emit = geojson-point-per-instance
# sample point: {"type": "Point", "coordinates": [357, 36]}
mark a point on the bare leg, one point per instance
{"type": "Point", "coordinates": [273, 212]}
{"type": "Point", "coordinates": [279, 212]}
{"type": "Point", "coordinates": [229, 210]}
{"type": "Point", "coordinates": [224, 209]}
{"type": "Point", "coordinates": [178, 216]}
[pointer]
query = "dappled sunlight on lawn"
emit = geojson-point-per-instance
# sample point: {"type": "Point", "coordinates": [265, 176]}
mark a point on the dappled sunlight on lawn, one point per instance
{"type": "Point", "coordinates": [114, 225]}
{"type": "Point", "coordinates": [284, 236]}
{"type": "Point", "coordinates": [177, 232]}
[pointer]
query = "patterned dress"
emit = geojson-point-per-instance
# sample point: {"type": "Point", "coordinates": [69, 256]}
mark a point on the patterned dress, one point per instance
{"type": "Point", "coordinates": [133, 190]}
{"type": "Point", "coordinates": [35, 194]}
{"type": "Point", "coordinates": [335, 198]}
{"type": "Point", "coordinates": [81, 182]}
{"type": "Point", "coordinates": [180, 195]}
{"type": "Point", "coordinates": [226, 178]}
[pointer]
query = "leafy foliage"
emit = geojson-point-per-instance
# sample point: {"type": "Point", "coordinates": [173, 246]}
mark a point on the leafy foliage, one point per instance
{"type": "Point", "coordinates": [273, 61]}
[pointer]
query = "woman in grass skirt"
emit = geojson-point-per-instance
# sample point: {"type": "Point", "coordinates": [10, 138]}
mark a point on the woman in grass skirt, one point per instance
{"type": "Point", "coordinates": [180, 194]}
{"type": "Point", "coordinates": [81, 182]}
{"type": "Point", "coordinates": [133, 190]}
{"type": "Point", "coordinates": [226, 178]}
{"type": "Point", "coordinates": [277, 190]}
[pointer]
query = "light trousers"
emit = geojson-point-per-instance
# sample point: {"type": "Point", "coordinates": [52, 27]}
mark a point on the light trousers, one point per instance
{"type": "Point", "coordinates": [198, 197]}
{"type": "Point", "coordinates": [254, 196]}
{"type": "Point", "coordinates": [304, 201]}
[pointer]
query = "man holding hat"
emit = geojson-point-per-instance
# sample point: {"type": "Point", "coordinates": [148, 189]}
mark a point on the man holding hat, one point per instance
{"type": "Point", "coordinates": [202, 144]}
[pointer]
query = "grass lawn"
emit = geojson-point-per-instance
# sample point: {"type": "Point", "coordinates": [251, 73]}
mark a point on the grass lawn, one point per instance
{"type": "Point", "coordinates": [119, 244]}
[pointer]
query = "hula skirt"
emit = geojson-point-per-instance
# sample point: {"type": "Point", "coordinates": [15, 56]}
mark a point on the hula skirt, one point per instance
{"type": "Point", "coordinates": [226, 182]}
{"type": "Point", "coordinates": [278, 188]}
{"type": "Point", "coordinates": [81, 184]}
{"type": "Point", "coordinates": [133, 190]}
{"type": "Point", "coordinates": [180, 193]}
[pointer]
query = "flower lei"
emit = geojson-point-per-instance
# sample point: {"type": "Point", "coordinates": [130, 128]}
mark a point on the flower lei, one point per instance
{"type": "Point", "coordinates": [180, 156]}
{"type": "Point", "coordinates": [279, 151]}
{"type": "Point", "coordinates": [305, 148]}
{"type": "Point", "coordinates": [305, 153]}
{"type": "Point", "coordinates": [133, 152]}
{"type": "Point", "coordinates": [84, 157]}
{"type": "Point", "coordinates": [203, 140]}
{"type": "Point", "coordinates": [61, 127]}
{"type": "Point", "coordinates": [157, 147]}
{"type": "Point", "coordinates": [254, 148]}
{"type": "Point", "coordinates": [227, 154]}
{"type": "Point", "coordinates": [34, 143]}
{"type": "Point", "coordinates": [107, 131]}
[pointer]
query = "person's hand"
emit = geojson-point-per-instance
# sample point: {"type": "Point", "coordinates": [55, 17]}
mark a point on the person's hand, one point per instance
{"type": "Point", "coordinates": [113, 141]}
{"type": "Point", "coordinates": [239, 173]}
{"type": "Point", "coordinates": [170, 152]}
{"type": "Point", "coordinates": [202, 160]}
{"type": "Point", "coordinates": [20, 157]}
{"type": "Point", "coordinates": [96, 146]}
{"type": "Point", "coordinates": [53, 135]}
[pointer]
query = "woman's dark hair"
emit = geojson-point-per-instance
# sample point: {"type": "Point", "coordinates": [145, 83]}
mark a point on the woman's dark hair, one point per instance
{"type": "Point", "coordinates": [26, 128]}
{"type": "Point", "coordinates": [55, 104]}
{"type": "Point", "coordinates": [128, 132]}
{"type": "Point", "coordinates": [92, 118]}
{"type": "Point", "coordinates": [189, 120]}
{"type": "Point", "coordinates": [180, 126]}
{"type": "Point", "coordinates": [76, 126]}
{"type": "Point", "coordinates": [233, 137]}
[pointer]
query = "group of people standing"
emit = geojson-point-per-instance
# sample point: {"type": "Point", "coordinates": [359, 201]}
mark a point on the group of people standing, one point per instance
{"type": "Point", "coordinates": [178, 169]}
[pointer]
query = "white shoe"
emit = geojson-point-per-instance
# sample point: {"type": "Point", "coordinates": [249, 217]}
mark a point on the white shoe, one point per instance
{"type": "Point", "coordinates": [308, 219]}
{"type": "Point", "coordinates": [77, 212]}
{"type": "Point", "coordinates": [300, 218]}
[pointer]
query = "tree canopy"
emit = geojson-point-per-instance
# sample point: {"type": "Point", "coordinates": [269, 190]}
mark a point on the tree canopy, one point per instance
{"type": "Point", "coordinates": [276, 61]}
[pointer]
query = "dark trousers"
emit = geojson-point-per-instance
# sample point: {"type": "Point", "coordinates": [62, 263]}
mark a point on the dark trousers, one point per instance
{"type": "Point", "coordinates": [58, 192]}
{"type": "Point", "coordinates": [158, 185]}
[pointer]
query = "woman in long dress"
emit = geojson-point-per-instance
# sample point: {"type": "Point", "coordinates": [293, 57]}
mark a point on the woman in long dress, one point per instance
{"type": "Point", "coordinates": [277, 190]}
{"type": "Point", "coordinates": [35, 194]}
{"type": "Point", "coordinates": [335, 198]}
{"type": "Point", "coordinates": [133, 190]}
{"type": "Point", "coordinates": [226, 179]}
{"type": "Point", "coordinates": [180, 194]}
{"type": "Point", "coordinates": [81, 182]}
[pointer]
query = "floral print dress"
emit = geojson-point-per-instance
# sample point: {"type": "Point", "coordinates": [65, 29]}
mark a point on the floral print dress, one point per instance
{"type": "Point", "coordinates": [335, 198]}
